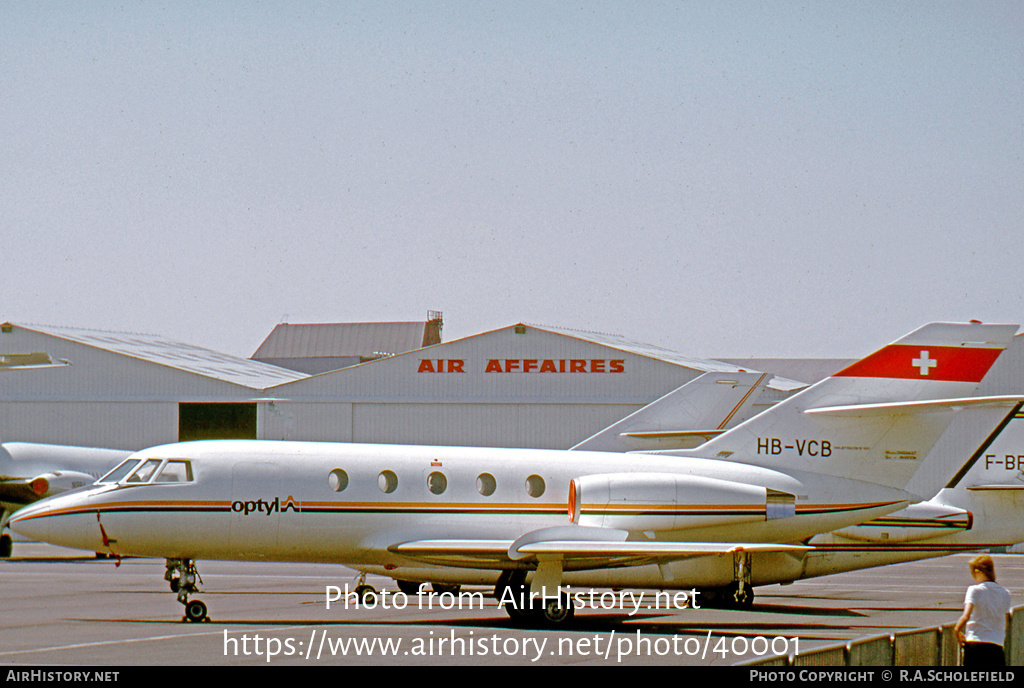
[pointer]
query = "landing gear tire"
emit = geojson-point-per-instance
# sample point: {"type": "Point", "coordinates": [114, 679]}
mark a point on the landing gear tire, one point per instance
{"type": "Point", "coordinates": [409, 587]}
{"type": "Point", "coordinates": [556, 612]}
{"type": "Point", "coordinates": [195, 611]}
{"type": "Point", "coordinates": [513, 594]}
{"type": "Point", "coordinates": [440, 588]}
{"type": "Point", "coordinates": [367, 595]}
{"type": "Point", "coordinates": [183, 578]}
{"type": "Point", "coordinates": [6, 546]}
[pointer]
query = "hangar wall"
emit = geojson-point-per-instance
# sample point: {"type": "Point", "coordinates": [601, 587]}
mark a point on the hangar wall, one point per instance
{"type": "Point", "coordinates": [451, 424]}
{"type": "Point", "coordinates": [519, 386]}
{"type": "Point", "coordinates": [323, 421]}
{"type": "Point", "coordinates": [96, 396]}
{"type": "Point", "coordinates": [117, 425]}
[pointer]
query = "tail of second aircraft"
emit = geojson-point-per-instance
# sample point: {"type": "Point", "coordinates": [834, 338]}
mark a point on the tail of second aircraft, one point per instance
{"type": "Point", "coordinates": [703, 408]}
{"type": "Point", "coordinates": [877, 419]}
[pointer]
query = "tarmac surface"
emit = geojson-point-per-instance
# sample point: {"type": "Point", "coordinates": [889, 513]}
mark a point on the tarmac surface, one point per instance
{"type": "Point", "coordinates": [65, 608]}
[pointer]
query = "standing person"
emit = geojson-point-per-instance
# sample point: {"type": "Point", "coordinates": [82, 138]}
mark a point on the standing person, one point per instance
{"type": "Point", "coordinates": [985, 609]}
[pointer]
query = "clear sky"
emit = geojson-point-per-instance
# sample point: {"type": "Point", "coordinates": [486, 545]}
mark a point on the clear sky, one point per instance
{"type": "Point", "coordinates": [722, 179]}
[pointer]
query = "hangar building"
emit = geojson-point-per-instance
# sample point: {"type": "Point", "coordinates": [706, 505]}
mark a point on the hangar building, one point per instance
{"type": "Point", "coordinates": [519, 386]}
{"type": "Point", "coordinates": [122, 390]}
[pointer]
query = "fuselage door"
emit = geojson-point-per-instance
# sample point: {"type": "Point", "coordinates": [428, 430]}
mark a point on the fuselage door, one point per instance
{"type": "Point", "coordinates": [255, 509]}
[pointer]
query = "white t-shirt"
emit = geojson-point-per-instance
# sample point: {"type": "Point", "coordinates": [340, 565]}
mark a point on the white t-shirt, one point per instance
{"type": "Point", "coordinates": [988, 618]}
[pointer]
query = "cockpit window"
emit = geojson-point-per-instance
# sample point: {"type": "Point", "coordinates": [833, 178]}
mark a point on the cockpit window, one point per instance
{"type": "Point", "coordinates": [145, 472]}
{"type": "Point", "coordinates": [134, 471]}
{"type": "Point", "coordinates": [175, 471]}
{"type": "Point", "coordinates": [121, 470]}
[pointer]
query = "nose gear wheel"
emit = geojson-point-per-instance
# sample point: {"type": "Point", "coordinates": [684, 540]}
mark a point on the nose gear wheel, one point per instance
{"type": "Point", "coordinates": [184, 579]}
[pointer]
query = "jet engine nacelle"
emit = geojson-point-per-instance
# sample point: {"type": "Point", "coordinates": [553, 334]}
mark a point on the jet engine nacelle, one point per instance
{"type": "Point", "coordinates": [55, 482]}
{"type": "Point", "coordinates": [666, 501]}
{"type": "Point", "coordinates": [917, 522]}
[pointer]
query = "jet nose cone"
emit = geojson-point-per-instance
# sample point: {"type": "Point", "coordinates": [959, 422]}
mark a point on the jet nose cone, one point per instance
{"type": "Point", "coordinates": [57, 520]}
{"type": "Point", "coordinates": [31, 522]}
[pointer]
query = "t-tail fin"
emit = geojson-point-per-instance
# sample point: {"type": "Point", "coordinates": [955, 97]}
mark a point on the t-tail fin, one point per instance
{"type": "Point", "coordinates": [877, 419]}
{"type": "Point", "coordinates": [703, 408]}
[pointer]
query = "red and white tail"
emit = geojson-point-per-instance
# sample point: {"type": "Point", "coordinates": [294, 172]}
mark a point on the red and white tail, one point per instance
{"type": "Point", "coordinates": [877, 419]}
{"type": "Point", "coordinates": [940, 352]}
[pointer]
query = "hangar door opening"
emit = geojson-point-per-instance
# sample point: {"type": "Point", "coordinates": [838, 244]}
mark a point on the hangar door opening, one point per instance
{"type": "Point", "coordinates": [216, 422]}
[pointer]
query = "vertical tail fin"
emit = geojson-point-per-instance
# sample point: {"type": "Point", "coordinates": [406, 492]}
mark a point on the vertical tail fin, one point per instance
{"type": "Point", "coordinates": [877, 419]}
{"type": "Point", "coordinates": [703, 408]}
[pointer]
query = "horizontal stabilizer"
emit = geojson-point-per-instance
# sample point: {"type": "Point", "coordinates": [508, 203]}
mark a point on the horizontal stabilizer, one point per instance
{"type": "Point", "coordinates": [904, 407]}
{"type": "Point", "coordinates": [673, 434]}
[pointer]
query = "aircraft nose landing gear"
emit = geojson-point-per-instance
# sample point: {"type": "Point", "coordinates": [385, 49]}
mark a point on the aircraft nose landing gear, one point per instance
{"type": "Point", "coordinates": [183, 578]}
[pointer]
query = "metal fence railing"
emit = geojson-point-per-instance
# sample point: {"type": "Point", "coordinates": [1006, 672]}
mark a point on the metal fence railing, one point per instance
{"type": "Point", "coordinates": [922, 647]}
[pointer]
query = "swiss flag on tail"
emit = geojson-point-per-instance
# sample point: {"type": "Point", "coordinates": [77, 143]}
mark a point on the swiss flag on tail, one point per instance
{"type": "Point", "coordinates": [922, 362]}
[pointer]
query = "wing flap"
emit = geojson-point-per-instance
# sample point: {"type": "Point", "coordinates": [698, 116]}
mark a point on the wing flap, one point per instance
{"type": "Point", "coordinates": [478, 554]}
{"type": "Point", "coordinates": [592, 550]}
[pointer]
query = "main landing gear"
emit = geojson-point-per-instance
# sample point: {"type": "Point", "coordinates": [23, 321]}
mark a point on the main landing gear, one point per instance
{"type": "Point", "coordinates": [513, 593]}
{"type": "Point", "coordinates": [727, 597]}
{"type": "Point", "coordinates": [367, 593]}
{"type": "Point", "coordinates": [737, 595]}
{"type": "Point", "coordinates": [183, 578]}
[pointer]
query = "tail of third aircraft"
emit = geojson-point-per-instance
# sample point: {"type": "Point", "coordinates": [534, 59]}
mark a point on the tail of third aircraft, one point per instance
{"type": "Point", "coordinates": [877, 419]}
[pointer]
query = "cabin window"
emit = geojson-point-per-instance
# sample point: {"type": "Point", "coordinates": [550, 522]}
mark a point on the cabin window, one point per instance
{"type": "Point", "coordinates": [535, 486]}
{"type": "Point", "coordinates": [387, 481]}
{"type": "Point", "coordinates": [486, 484]}
{"type": "Point", "coordinates": [437, 483]}
{"type": "Point", "coordinates": [175, 471]}
{"type": "Point", "coordinates": [338, 480]}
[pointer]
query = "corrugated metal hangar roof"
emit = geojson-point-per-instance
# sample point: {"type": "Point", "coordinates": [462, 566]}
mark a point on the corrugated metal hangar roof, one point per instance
{"type": "Point", "coordinates": [809, 370]}
{"type": "Point", "coordinates": [621, 343]}
{"type": "Point", "coordinates": [323, 347]}
{"type": "Point", "coordinates": [340, 339]}
{"type": "Point", "coordinates": [178, 355]}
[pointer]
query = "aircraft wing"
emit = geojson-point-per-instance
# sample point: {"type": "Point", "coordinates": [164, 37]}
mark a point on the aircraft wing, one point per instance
{"type": "Point", "coordinates": [579, 548]}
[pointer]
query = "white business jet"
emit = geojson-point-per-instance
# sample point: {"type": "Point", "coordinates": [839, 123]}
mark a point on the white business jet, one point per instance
{"type": "Point", "coordinates": [838, 454]}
